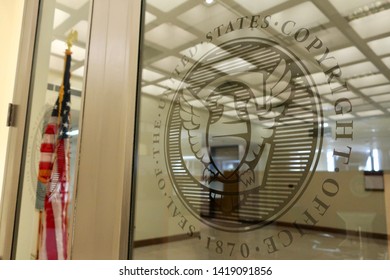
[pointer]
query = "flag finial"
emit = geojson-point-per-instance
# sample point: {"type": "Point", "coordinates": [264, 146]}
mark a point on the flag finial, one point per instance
{"type": "Point", "coordinates": [72, 37]}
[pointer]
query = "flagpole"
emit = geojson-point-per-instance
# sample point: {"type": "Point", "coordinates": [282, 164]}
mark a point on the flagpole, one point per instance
{"type": "Point", "coordinates": [39, 235]}
{"type": "Point", "coordinates": [72, 37]}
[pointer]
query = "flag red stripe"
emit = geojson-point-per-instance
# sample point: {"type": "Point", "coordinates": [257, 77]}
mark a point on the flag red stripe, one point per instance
{"type": "Point", "coordinates": [64, 202]}
{"type": "Point", "coordinates": [45, 165]}
{"type": "Point", "coordinates": [47, 148]}
{"type": "Point", "coordinates": [51, 245]}
{"type": "Point", "coordinates": [51, 129]}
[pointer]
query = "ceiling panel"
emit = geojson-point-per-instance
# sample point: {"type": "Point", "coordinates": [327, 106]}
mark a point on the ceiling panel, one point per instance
{"type": "Point", "coordinates": [346, 55]}
{"type": "Point", "coordinates": [386, 105]}
{"type": "Point", "coordinates": [56, 63]}
{"type": "Point", "coordinates": [343, 94]}
{"type": "Point", "coordinates": [367, 27]}
{"type": "Point", "coordinates": [333, 38]}
{"type": "Point", "coordinates": [149, 17]}
{"type": "Point", "coordinates": [341, 117]}
{"type": "Point", "coordinates": [380, 46]}
{"type": "Point", "coordinates": [381, 98]}
{"type": "Point", "coordinates": [79, 72]}
{"type": "Point", "coordinates": [150, 76]}
{"type": "Point", "coordinates": [178, 35]}
{"type": "Point", "coordinates": [166, 5]}
{"type": "Point", "coordinates": [386, 61]}
{"type": "Point", "coordinates": [346, 7]}
{"type": "Point", "coordinates": [253, 7]}
{"type": "Point", "coordinates": [169, 83]}
{"type": "Point", "coordinates": [376, 90]}
{"type": "Point", "coordinates": [202, 17]}
{"type": "Point", "coordinates": [359, 69]}
{"type": "Point", "coordinates": [59, 17]}
{"type": "Point", "coordinates": [371, 113]}
{"type": "Point", "coordinates": [358, 101]}
{"type": "Point", "coordinates": [153, 90]}
{"type": "Point", "coordinates": [311, 19]}
{"type": "Point", "coordinates": [369, 80]}
{"type": "Point", "coordinates": [169, 62]}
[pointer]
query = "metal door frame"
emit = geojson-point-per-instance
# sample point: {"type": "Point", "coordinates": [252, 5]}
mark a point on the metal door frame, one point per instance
{"type": "Point", "coordinates": [101, 223]}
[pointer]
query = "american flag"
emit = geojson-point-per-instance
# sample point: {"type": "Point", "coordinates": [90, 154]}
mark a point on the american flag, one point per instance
{"type": "Point", "coordinates": [53, 176]}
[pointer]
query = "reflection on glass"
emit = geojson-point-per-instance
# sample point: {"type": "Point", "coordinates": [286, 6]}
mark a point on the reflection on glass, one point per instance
{"type": "Point", "coordinates": [254, 131]}
{"type": "Point", "coordinates": [47, 184]}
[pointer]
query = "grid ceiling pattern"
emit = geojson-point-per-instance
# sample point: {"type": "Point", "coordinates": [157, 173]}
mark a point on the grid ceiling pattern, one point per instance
{"type": "Point", "coordinates": [356, 33]}
{"type": "Point", "coordinates": [70, 15]}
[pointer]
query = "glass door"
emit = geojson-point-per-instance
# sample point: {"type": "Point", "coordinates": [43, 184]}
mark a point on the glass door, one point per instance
{"type": "Point", "coordinates": [263, 130]}
{"type": "Point", "coordinates": [47, 185]}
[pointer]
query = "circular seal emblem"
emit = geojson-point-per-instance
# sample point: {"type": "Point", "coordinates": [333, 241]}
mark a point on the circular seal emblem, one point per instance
{"type": "Point", "coordinates": [243, 134]}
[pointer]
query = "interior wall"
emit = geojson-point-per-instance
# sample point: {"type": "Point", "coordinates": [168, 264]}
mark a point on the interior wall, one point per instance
{"type": "Point", "coordinates": [11, 13]}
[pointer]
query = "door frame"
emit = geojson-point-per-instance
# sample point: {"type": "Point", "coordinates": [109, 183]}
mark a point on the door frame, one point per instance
{"type": "Point", "coordinates": [16, 135]}
{"type": "Point", "coordinates": [101, 226]}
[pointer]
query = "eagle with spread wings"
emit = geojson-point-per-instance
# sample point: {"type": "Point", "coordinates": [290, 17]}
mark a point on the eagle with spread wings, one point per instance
{"type": "Point", "coordinates": [256, 110]}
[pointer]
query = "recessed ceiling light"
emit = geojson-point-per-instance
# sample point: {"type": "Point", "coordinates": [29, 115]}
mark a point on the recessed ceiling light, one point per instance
{"type": "Point", "coordinates": [209, 2]}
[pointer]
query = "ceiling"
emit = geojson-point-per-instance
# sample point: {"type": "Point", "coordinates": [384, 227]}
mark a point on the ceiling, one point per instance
{"type": "Point", "coordinates": [70, 15]}
{"type": "Point", "coordinates": [355, 31]}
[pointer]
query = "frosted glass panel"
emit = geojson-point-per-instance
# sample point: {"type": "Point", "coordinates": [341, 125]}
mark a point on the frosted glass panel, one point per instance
{"type": "Point", "coordinates": [47, 188]}
{"type": "Point", "coordinates": [256, 133]}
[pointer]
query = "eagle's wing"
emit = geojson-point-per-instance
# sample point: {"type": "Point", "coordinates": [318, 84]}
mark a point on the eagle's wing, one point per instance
{"type": "Point", "coordinates": [196, 125]}
{"type": "Point", "coordinates": [276, 93]}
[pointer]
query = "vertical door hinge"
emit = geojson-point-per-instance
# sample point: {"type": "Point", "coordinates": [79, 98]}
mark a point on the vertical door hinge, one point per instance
{"type": "Point", "coordinates": [11, 118]}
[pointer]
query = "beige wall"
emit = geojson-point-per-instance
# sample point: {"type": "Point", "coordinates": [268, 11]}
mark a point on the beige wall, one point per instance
{"type": "Point", "coordinates": [10, 28]}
